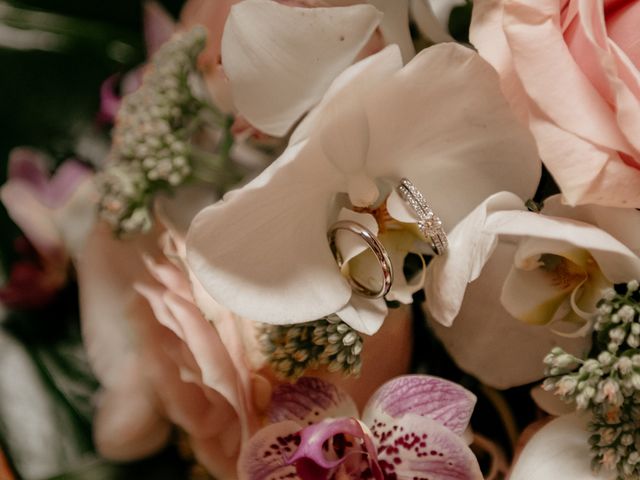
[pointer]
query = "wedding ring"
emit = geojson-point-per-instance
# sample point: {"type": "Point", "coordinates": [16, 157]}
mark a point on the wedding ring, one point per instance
{"type": "Point", "coordinates": [429, 223]}
{"type": "Point", "coordinates": [376, 247]}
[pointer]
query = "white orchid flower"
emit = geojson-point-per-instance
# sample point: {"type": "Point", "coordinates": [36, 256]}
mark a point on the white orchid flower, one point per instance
{"type": "Point", "coordinates": [547, 270]}
{"type": "Point", "coordinates": [560, 449]}
{"type": "Point", "coordinates": [441, 121]}
{"type": "Point", "coordinates": [280, 58]}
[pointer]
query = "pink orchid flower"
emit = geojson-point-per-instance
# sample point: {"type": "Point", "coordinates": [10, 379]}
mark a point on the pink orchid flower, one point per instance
{"type": "Point", "coordinates": [412, 427]}
{"type": "Point", "coordinates": [54, 213]}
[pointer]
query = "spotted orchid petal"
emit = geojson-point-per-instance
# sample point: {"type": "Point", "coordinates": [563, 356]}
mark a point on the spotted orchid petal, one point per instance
{"type": "Point", "coordinates": [274, 248]}
{"type": "Point", "coordinates": [415, 446]}
{"type": "Point", "coordinates": [335, 447]}
{"type": "Point", "coordinates": [487, 342]}
{"type": "Point", "coordinates": [440, 400]}
{"type": "Point", "coordinates": [560, 449]}
{"type": "Point", "coordinates": [308, 401]}
{"type": "Point", "coordinates": [264, 456]}
{"type": "Point", "coordinates": [311, 45]}
{"type": "Point", "coordinates": [469, 249]}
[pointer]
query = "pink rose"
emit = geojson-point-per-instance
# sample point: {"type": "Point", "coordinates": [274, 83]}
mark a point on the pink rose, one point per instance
{"type": "Point", "coordinates": [570, 70]}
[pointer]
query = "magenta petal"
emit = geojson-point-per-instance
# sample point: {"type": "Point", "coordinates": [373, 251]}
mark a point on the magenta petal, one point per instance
{"type": "Point", "coordinates": [419, 447]}
{"type": "Point", "coordinates": [336, 445]}
{"type": "Point", "coordinates": [65, 182]}
{"type": "Point", "coordinates": [308, 401]}
{"type": "Point", "coordinates": [158, 26]}
{"type": "Point", "coordinates": [445, 402]}
{"type": "Point", "coordinates": [264, 457]}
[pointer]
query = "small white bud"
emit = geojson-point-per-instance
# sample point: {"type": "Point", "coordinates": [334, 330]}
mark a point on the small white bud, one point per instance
{"type": "Point", "coordinates": [633, 285]}
{"type": "Point", "coordinates": [609, 294]}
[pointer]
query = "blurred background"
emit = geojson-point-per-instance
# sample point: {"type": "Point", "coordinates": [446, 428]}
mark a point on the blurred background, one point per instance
{"type": "Point", "coordinates": [54, 56]}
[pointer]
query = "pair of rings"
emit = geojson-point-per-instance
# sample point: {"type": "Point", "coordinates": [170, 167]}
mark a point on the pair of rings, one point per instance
{"type": "Point", "coordinates": [428, 222]}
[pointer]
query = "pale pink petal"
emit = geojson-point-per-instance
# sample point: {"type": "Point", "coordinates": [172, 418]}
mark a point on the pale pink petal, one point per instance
{"type": "Point", "coordinates": [471, 142]}
{"type": "Point", "coordinates": [177, 210]}
{"type": "Point", "coordinates": [605, 179]}
{"type": "Point", "coordinates": [544, 60]}
{"type": "Point", "coordinates": [265, 456]}
{"type": "Point", "coordinates": [414, 446]}
{"type": "Point", "coordinates": [312, 47]}
{"type": "Point", "coordinates": [490, 344]}
{"type": "Point", "coordinates": [443, 401]}
{"type": "Point", "coordinates": [29, 165]}
{"type": "Point", "coordinates": [158, 26]}
{"type": "Point", "coordinates": [129, 423]}
{"type": "Point", "coordinates": [551, 403]}
{"type": "Point", "coordinates": [308, 401]}
{"type": "Point", "coordinates": [560, 449]}
{"type": "Point", "coordinates": [469, 249]}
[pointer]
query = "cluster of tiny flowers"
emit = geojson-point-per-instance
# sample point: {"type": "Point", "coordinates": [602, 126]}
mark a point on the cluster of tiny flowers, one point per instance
{"type": "Point", "coordinates": [151, 135]}
{"type": "Point", "coordinates": [608, 383]}
{"type": "Point", "coordinates": [328, 342]}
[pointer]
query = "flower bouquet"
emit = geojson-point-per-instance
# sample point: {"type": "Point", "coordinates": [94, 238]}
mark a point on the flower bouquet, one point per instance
{"type": "Point", "coordinates": [329, 239]}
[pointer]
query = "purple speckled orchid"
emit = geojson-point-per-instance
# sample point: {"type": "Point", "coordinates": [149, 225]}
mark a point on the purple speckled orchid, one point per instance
{"type": "Point", "coordinates": [412, 427]}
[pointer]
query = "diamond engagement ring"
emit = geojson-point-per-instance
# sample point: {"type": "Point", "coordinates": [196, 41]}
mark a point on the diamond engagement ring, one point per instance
{"type": "Point", "coordinates": [429, 223]}
{"type": "Point", "coordinates": [376, 247]}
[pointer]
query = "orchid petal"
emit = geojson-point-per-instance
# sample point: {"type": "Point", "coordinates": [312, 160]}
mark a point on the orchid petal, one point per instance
{"type": "Point", "coordinates": [431, 22]}
{"type": "Point", "coordinates": [617, 262]}
{"type": "Point", "coordinates": [350, 244]}
{"type": "Point", "coordinates": [312, 47]}
{"type": "Point", "coordinates": [490, 344]}
{"type": "Point", "coordinates": [560, 449]}
{"type": "Point", "coordinates": [440, 400]}
{"type": "Point", "coordinates": [469, 249]}
{"type": "Point", "coordinates": [395, 25]}
{"type": "Point", "coordinates": [365, 315]}
{"type": "Point", "coordinates": [314, 460]}
{"type": "Point", "coordinates": [470, 142]}
{"type": "Point", "coordinates": [414, 446]}
{"type": "Point", "coordinates": [269, 244]}
{"type": "Point", "coordinates": [621, 223]}
{"type": "Point", "coordinates": [177, 211]}
{"type": "Point", "coordinates": [308, 401]}
{"type": "Point", "coordinates": [358, 78]}
{"type": "Point", "coordinates": [398, 245]}
{"type": "Point", "coordinates": [265, 456]}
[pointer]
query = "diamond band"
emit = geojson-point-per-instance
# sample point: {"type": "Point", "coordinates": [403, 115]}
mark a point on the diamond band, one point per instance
{"type": "Point", "coordinates": [429, 223]}
{"type": "Point", "coordinates": [376, 247]}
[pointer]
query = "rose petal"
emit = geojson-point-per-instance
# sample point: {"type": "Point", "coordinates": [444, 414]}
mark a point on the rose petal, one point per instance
{"type": "Point", "coordinates": [265, 456]}
{"type": "Point", "coordinates": [440, 400]}
{"type": "Point", "coordinates": [309, 400]}
{"type": "Point", "coordinates": [414, 446]}
{"type": "Point", "coordinates": [469, 249]}
{"type": "Point", "coordinates": [312, 46]}
{"type": "Point", "coordinates": [559, 450]}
